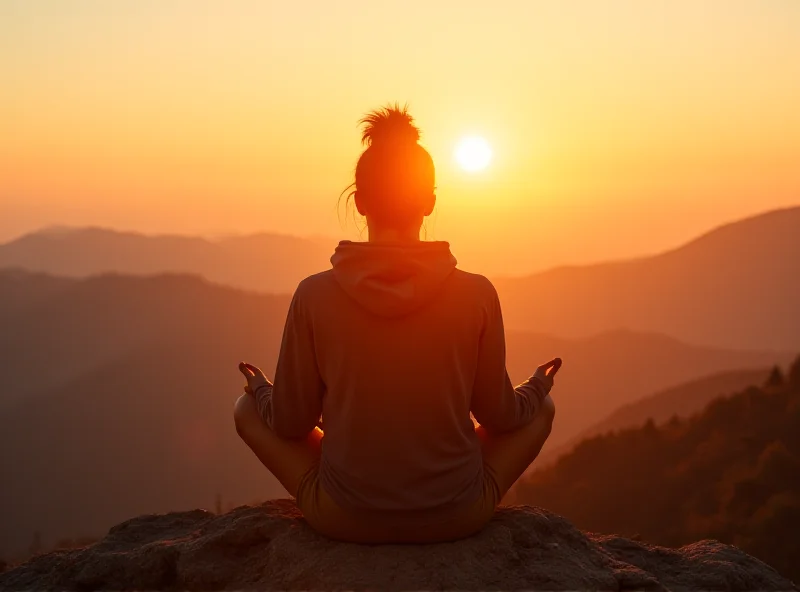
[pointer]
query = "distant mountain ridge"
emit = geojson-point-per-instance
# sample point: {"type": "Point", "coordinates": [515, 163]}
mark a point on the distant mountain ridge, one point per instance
{"type": "Point", "coordinates": [270, 263]}
{"type": "Point", "coordinates": [681, 401]}
{"type": "Point", "coordinates": [736, 286]}
{"type": "Point", "coordinates": [607, 371]}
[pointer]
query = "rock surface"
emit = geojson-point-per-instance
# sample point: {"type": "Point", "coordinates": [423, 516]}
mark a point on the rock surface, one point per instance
{"type": "Point", "coordinates": [270, 547]}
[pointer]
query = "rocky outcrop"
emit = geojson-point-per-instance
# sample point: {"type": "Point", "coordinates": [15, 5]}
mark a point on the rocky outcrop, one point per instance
{"type": "Point", "coordinates": [270, 547]}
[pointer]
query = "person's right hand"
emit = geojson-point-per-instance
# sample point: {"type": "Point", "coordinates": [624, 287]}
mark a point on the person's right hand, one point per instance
{"type": "Point", "coordinates": [547, 371]}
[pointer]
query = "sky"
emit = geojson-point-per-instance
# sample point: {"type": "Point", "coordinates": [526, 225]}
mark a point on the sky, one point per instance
{"type": "Point", "coordinates": [618, 128]}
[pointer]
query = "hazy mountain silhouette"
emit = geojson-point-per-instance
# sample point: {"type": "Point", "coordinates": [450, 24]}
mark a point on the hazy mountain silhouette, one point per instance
{"type": "Point", "coordinates": [731, 473]}
{"type": "Point", "coordinates": [680, 401]}
{"type": "Point", "coordinates": [264, 262]}
{"type": "Point", "coordinates": [737, 286]}
{"type": "Point", "coordinates": [60, 329]}
{"type": "Point", "coordinates": [117, 393]}
{"type": "Point", "coordinates": [125, 390]}
{"type": "Point", "coordinates": [604, 372]}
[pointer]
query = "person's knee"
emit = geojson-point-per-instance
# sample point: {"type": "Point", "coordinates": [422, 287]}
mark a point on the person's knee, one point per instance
{"type": "Point", "coordinates": [245, 413]}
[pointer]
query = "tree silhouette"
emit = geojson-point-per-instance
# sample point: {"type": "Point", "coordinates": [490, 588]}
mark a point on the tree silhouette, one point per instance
{"type": "Point", "coordinates": [775, 378]}
{"type": "Point", "coordinates": [794, 374]}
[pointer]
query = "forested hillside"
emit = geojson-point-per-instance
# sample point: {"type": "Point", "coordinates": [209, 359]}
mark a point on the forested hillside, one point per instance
{"type": "Point", "coordinates": [683, 400]}
{"type": "Point", "coordinates": [731, 473]}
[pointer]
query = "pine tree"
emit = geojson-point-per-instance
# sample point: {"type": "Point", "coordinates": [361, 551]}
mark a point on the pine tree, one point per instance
{"type": "Point", "coordinates": [794, 374]}
{"type": "Point", "coordinates": [775, 378]}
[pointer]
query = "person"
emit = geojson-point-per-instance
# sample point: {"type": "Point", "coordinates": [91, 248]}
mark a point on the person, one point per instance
{"type": "Point", "coordinates": [393, 349]}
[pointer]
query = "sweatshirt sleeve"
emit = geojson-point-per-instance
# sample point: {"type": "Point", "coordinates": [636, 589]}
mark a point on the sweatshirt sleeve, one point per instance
{"type": "Point", "coordinates": [496, 404]}
{"type": "Point", "coordinates": [292, 406]}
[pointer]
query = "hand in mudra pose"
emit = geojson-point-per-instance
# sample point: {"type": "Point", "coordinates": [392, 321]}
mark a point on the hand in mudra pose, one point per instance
{"type": "Point", "coordinates": [254, 376]}
{"type": "Point", "coordinates": [547, 371]}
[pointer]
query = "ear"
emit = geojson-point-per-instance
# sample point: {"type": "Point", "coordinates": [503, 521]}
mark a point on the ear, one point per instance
{"type": "Point", "coordinates": [359, 205]}
{"type": "Point", "coordinates": [430, 203]}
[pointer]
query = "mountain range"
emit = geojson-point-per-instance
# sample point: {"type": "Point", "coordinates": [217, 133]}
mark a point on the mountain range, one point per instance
{"type": "Point", "coordinates": [118, 371]}
{"type": "Point", "coordinates": [117, 393]}
{"type": "Point", "coordinates": [270, 263]}
{"type": "Point", "coordinates": [737, 286]}
{"type": "Point", "coordinates": [681, 401]}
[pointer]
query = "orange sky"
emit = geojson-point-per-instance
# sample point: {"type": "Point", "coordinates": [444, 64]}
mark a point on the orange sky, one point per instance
{"type": "Point", "coordinates": [618, 128]}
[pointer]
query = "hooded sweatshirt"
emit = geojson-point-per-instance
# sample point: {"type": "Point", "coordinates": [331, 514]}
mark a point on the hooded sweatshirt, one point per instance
{"type": "Point", "coordinates": [394, 347]}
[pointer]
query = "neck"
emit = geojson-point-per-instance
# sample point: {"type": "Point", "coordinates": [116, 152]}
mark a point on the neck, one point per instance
{"type": "Point", "coordinates": [392, 235]}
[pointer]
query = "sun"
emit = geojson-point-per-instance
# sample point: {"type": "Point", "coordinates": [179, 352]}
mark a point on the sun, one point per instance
{"type": "Point", "coordinates": [473, 154]}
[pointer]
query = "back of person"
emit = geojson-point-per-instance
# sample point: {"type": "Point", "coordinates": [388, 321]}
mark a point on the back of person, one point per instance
{"type": "Point", "coordinates": [397, 333]}
{"type": "Point", "coordinates": [394, 348]}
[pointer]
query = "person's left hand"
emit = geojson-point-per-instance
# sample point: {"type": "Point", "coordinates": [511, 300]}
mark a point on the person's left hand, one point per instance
{"type": "Point", "coordinates": [547, 371]}
{"type": "Point", "coordinates": [255, 377]}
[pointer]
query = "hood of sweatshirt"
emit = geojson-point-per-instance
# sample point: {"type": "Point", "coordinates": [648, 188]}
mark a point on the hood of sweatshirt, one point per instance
{"type": "Point", "coordinates": [392, 279]}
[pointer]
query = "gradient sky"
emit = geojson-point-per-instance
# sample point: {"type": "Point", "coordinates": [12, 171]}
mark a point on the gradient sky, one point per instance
{"type": "Point", "coordinates": [618, 127]}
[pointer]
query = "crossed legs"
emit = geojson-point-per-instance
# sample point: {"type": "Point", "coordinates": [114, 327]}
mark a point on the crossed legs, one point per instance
{"type": "Point", "coordinates": [506, 455]}
{"type": "Point", "coordinates": [288, 460]}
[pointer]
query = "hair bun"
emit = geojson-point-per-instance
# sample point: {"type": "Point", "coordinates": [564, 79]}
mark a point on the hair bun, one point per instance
{"type": "Point", "coordinates": [389, 125]}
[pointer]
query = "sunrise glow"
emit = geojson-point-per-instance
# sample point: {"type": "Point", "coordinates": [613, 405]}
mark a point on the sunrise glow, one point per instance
{"type": "Point", "coordinates": [473, 154]}
{"type": "Point", "coordinates": [160, 117]}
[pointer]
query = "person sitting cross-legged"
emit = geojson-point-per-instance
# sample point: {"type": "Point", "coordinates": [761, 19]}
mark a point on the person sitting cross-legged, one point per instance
{"type": "Point", "coordinates": [395, 349]}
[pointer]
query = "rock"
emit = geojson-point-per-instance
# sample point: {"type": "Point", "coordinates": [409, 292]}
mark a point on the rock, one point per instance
{"type": "Point", "coordinates": [270, 547]}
